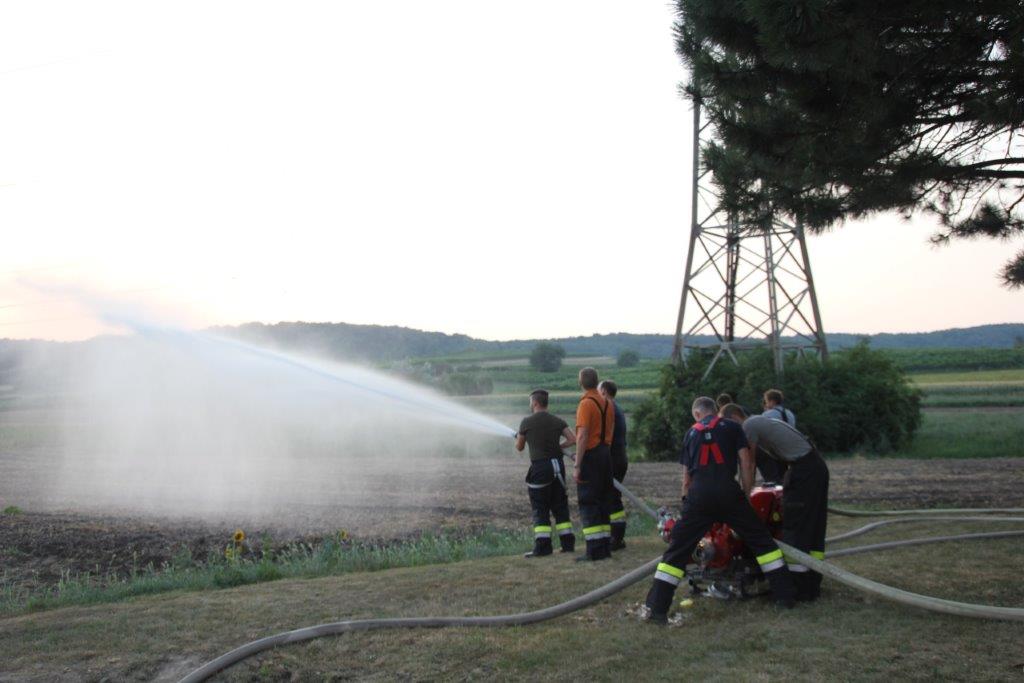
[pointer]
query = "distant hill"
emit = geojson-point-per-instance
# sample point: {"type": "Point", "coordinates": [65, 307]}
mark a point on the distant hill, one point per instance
{"type": "Point", "coordinates": [342, 340]}
{"type": "Point", "coordinates": [374, 342]}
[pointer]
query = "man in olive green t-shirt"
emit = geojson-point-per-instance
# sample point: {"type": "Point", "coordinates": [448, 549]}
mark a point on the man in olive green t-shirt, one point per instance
{"type": "Point", "coordinates": [545, 481]}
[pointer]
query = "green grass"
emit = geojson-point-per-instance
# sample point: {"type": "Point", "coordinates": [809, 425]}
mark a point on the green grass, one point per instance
{"type": "Point", "coordinates": [969, 376]}
{"type": "Point", "coordinates": [509, 379]}
{"type": "Point", "coordinates": [300, 560]}
{"type": "Point", "coordinates": [932, 360]}
{"type": "Point", "coordinates": [297, 561]}
{"type": "Point", "coordinates": [846, 636]}
{"type": "Point", "coordinates": [966, 433]}
{"type": "Point", "coordinates": [973, 394]}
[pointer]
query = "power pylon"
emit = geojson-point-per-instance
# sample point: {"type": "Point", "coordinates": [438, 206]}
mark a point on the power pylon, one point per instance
{"type": "Point", "coordinates": [747, 286]}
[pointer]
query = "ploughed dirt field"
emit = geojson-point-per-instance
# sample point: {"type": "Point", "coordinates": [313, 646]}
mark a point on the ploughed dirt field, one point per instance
{"type": "Point", "coordinates": [42, 542]}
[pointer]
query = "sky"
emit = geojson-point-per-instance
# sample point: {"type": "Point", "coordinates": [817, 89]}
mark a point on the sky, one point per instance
{"type": "Point", "coordinates": [501, 170]}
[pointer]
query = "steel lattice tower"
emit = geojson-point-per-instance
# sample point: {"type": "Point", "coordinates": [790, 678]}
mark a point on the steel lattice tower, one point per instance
{"type": "Point", "coordinates": [747, 286]}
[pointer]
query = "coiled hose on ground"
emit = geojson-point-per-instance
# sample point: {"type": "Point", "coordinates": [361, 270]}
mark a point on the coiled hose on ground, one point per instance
{"type": "Point", "coordinates": [644, 572]}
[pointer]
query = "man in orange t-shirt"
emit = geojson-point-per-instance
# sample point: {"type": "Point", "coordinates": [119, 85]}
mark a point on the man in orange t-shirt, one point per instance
{"type": "Point", "coordinates": [595, 424]}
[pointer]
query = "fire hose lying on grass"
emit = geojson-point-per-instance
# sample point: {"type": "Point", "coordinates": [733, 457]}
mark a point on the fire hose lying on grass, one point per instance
{"type": "Point", "coordinates": [646, 570]}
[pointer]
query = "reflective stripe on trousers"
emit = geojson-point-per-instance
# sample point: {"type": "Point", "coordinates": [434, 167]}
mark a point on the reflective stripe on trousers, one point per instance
{"type": "Point", "coordinates": [771, 561]}
{"type": "Point", "coordinates": [669, 574]}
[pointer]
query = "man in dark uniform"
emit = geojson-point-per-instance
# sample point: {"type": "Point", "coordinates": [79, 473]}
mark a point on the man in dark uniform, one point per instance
{"type": "Point", "coordinates": [712, 451]}
{"type": "Point", "coordinates": [595, 425]}
{"type": "Point", "coordinates": [545, 481]}
{"type": "Point", "coordinates": [608, 389]}
{"type": "Point", "coordinates": [804, 490]}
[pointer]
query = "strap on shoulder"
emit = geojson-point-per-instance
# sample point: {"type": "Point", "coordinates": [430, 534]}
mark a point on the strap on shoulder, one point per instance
{"type": "Point", "coordinates": [604, 415]}
{"type": "Point", "coordinates": [701, 427]}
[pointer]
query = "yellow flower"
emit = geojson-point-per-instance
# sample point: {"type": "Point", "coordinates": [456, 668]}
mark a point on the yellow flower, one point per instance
{"type": "Point", "coordinates": [239, 536]}
{"type": "Point", "coordinates": [343, 535]}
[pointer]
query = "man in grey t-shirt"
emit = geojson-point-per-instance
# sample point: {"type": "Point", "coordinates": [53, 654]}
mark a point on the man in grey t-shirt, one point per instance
{"type": "Point", "coordinates": [804, 492]}
{"type": "Point", "coordinates": [781, 441]}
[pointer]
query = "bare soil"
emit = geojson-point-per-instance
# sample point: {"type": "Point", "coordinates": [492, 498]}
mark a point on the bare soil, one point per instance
{"type": "Point", "coordinates": [39, 546]}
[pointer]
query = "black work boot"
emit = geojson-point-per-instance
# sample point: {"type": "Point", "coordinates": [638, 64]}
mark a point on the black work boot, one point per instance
{"type": "Point", "coordinates": [618, 533]}
{"type": "Point", "coordinates": [808, 586]}
{"type": "Point", "coordinates": [783, 591]}
{"type": "Point", "coordinates": [568, 542]}
{"type": "Point", "coordinates": [658, 602]}
{"type": "Point", "coordinates": [595, 550]}
{"type": "Point", "coordinates": [541, 547]}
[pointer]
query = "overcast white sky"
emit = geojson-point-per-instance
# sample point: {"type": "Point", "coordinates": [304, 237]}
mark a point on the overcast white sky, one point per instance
{"type": "Point", "coordinates": [459, 166]}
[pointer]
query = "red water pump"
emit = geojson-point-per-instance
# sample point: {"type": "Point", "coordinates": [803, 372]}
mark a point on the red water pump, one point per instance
{"type": "Point", "coordinates": [721, 563]}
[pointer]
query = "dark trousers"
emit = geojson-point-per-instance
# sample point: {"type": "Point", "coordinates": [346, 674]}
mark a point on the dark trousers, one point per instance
{"type": "Point", "coordinates": [546, 501]}
{"type": "Point", "coordinates": [711, 500]}
{"type": "Point", "coordinates": [594, 493]}
{"type": "Point", "coordinates": [805, 516]}
{"type": "Point", "coordinates": [771, 469]}
{"type": "Point", "coordinates": [617, 513]}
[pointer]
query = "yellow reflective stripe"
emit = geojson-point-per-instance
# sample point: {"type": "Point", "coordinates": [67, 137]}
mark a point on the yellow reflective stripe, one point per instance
{"type": "Point", "coordinates": [606, 527]}
{"type": "Point", "coordinates": [563, 525]}
{"type": "Point", "coordinates": [621, 514]}
{"type": "Point", "coordinates": [817, 554]}
{"type": "Point", "coordinates": [670, 570]}
{"type": "Point", "coordinates": [541, 529]}
{"type": "Point", "coordinates": [589, 530]}
{"type": "Point", "coordinates": [769, 557]}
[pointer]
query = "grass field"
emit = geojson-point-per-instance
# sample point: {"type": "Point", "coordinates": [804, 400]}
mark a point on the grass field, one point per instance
{"type": "Point", "coordinates": [157, 618]}
{"type": "Point", "coordinates": [948, 428]}
{"type": "Point", "coordinates": [969, 433]}
{"type": "Point", "coordinates": [845, 636]}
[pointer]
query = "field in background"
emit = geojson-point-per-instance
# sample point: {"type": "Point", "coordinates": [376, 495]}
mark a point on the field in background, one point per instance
{"type": "Point", "coordinates": [973, 398]}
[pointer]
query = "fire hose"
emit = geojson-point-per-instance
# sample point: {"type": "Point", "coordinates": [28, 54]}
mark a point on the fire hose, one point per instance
{"type": "Point", "coordinates": [843, 576]}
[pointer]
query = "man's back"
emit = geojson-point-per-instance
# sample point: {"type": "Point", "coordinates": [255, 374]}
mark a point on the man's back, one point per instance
{"type": "Point", "coordinates": [779, 439]}
{"type": "Point", "coordinates": [589, 415]}
{"type": "Point", "coordinates": [783, 413]}
{"type": "Point", "coordinates": [729, 438]}
{"type": "Point", "coordinates": [619, 437]}
{"type": "Point", "coordinates": [543, 433]}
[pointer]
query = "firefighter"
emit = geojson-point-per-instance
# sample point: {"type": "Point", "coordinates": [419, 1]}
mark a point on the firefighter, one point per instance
{"type": "Point", "coordinates": [770, 468]}
{"type": "Point", "coordinates": [712, 450]}
{"type": "Point", "coordinates": [772, 402]}
{"type": "Point", "coordinates": [595, 426]}
{"type": "Point", "coordinates": [608, 389]}
{"type": "Point", "coordinates": [545, 481]}
{"type": "Point", "coordinates": [804, 492]}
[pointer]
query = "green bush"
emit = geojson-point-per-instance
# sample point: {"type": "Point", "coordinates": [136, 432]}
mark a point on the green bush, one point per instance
{"type": "Point", "coordinates": [627, 359]}
{"type": "Point", "coordinates": [858, 399]}
{"type": "Point", "coordinates": [547, 357]}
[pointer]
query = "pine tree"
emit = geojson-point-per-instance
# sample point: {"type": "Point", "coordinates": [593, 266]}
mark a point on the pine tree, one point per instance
{"type": "Point", "coordinates": [833, 109]}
